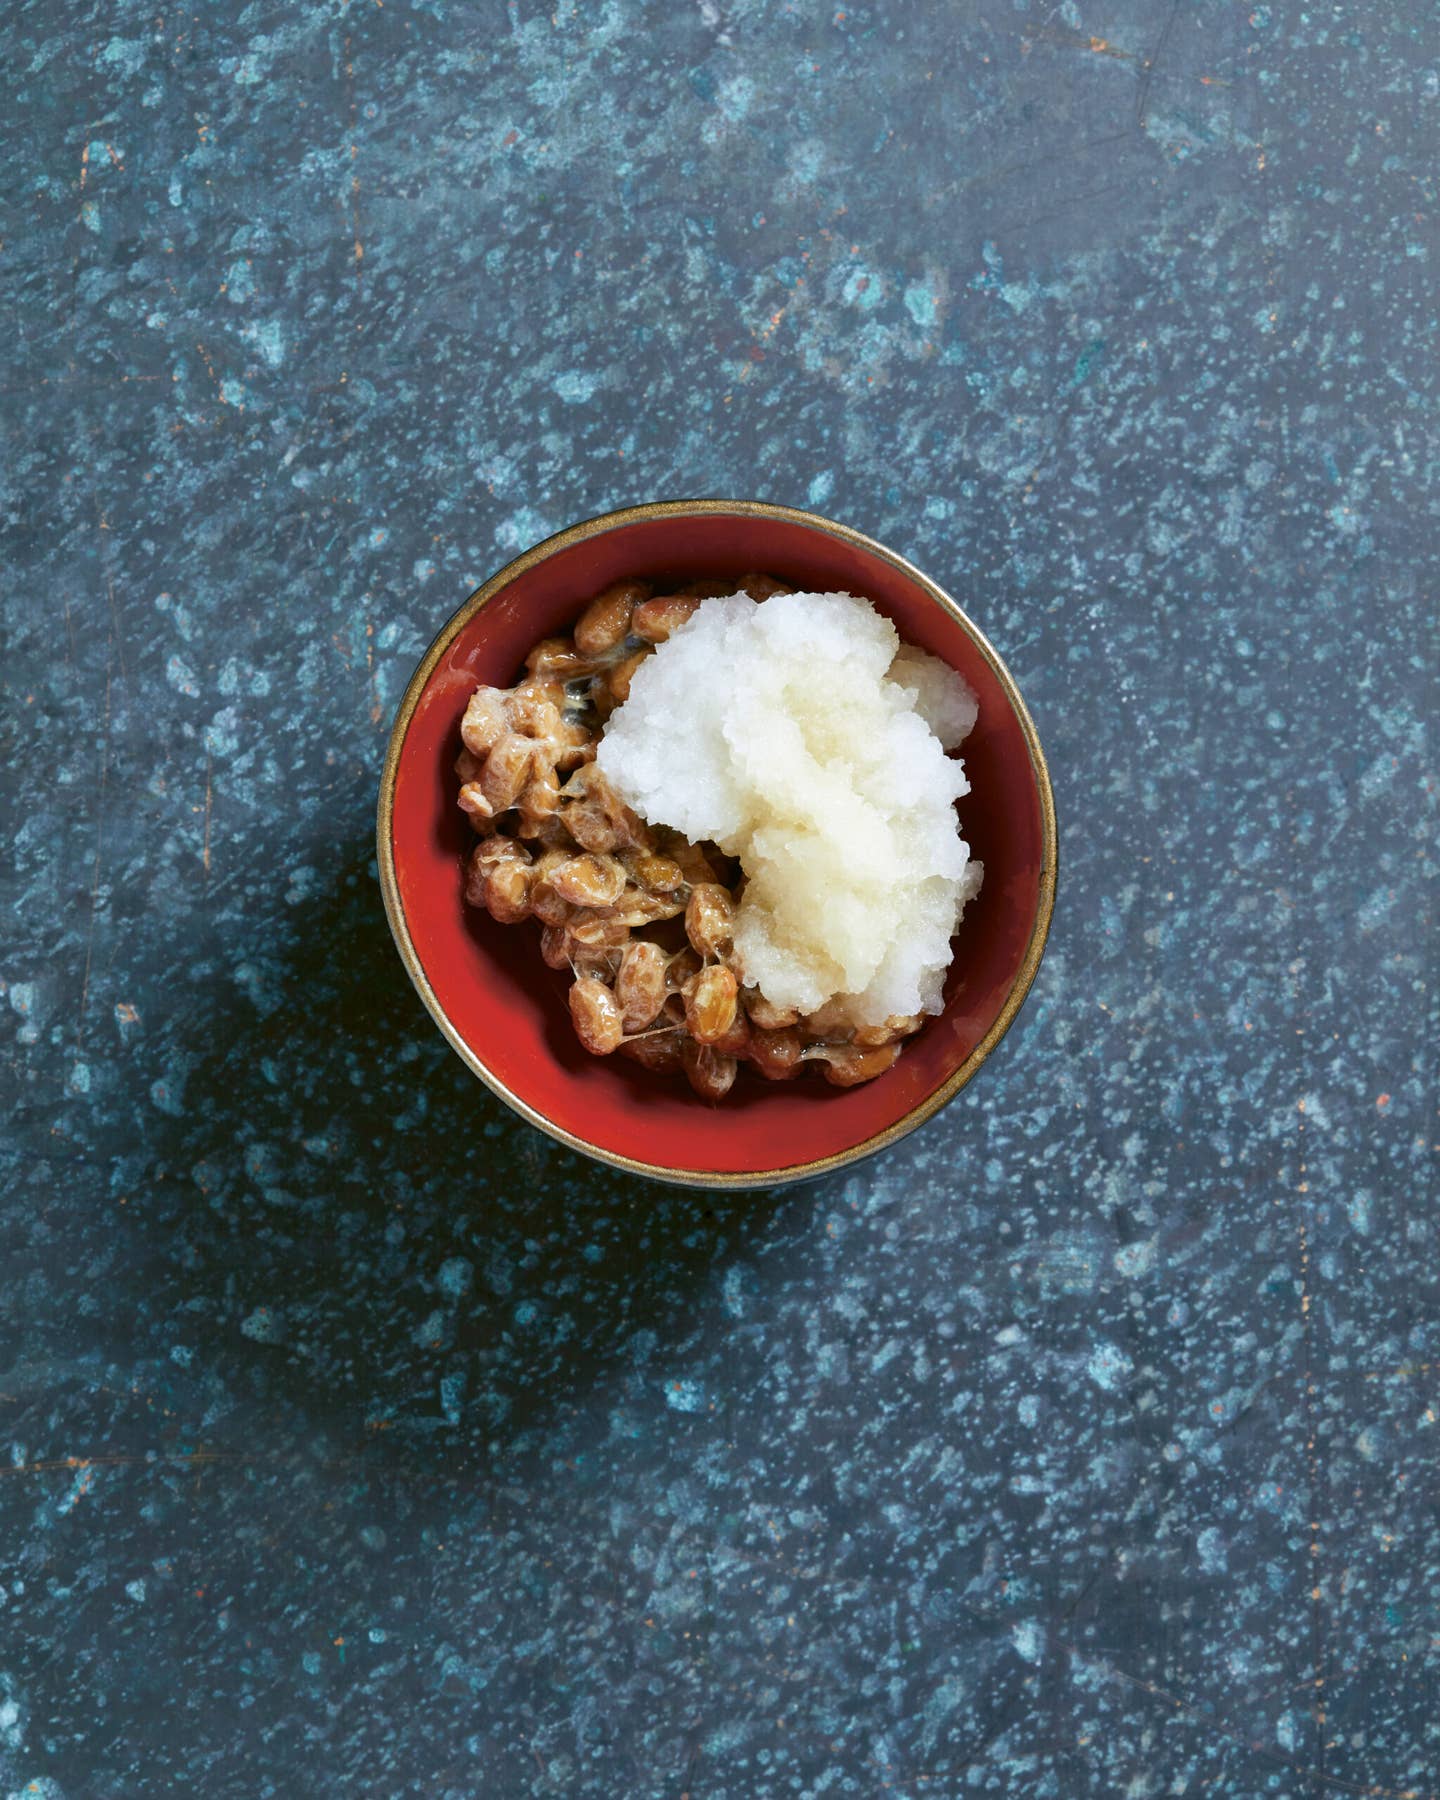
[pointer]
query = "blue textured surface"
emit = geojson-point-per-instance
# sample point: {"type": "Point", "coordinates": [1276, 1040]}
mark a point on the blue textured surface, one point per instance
{"type": "Point", "coordinates": [360, 1441]}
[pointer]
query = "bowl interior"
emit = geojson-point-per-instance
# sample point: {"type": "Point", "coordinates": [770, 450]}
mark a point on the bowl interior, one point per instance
{"type": "Point", "coordinates": [510, 1010]}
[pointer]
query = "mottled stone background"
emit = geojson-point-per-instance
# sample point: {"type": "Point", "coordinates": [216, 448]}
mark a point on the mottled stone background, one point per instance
{"type": "Point", "coordinates": [358, 1440]}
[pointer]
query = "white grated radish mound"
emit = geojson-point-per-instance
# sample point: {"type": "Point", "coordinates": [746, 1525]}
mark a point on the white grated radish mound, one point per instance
{"type": "Point", "coordinates": [798, 735]}
{"type": "Point", "coordinates": [943, 699]}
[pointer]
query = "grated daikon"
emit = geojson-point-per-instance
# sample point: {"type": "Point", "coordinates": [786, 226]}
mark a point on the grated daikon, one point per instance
{"type": "Point", "coordinates": [802, 737]}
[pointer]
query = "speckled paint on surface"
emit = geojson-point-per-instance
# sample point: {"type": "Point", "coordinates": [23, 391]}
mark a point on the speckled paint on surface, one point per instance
{"type": "Point", "coordinates": [358, 1440]}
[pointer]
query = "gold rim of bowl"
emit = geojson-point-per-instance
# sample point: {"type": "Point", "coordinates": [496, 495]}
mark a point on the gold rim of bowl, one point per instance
{"type": "Point", "coordinates": [1020, 987]}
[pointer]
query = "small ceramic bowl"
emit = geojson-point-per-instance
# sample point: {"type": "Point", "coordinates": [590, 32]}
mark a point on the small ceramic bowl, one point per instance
{"type": "Point", "coordinates": [505, 1012]}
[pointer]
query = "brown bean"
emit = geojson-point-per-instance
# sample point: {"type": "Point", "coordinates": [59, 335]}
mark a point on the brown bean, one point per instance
{"type": "Point", "coordinates": [540, 797]}
{"type": "Point", "coordinates": [594, 791]}
{"type": "Point", "coordinates": [710, 1002]}
{"type": "Point", "coordinates": [558, 656]}
{"type": "Point", "coordinates": [589, 880]}
{"type": "Point", "coordinates": [590, 827]}
{"type": "Point", "coordinates": [710, 587]}
{"type": "Point", "coordinates": [468, 766]}
{"type": "Point", "coordinates": [554, 947]}
{"type": "Point", "coordinates": [656, 619]}
{"type": "Point", "coordinates": [507, 768]}
{"type": "Point", "coordinates": [535, 717]}
{"type": "Point", "coordinates": [574, 756]}
{"type": "Point", "coordinates": [477, 871]}
{"type": "Point", "coordinates": [551, 858]}
{"type": "Point", "coordinates": [775, 1054]}
{"type": "Point", "coordinates": [762, 587]}
{"type": "Point", "coordinates": [593, 784]}
{"type": "Point", "coordinates": [498, 849]}
{"type": "Point", "coordinates": [635, 834]}
{"type": "Point", "coordinates": [507, 892]}
{"type": "Point", "coordinates": [596, 1015]}
{"type": "Point", "coordinates": [483, 859]}
{"type": "Point", "coordinates": [632, 830]}
{"type": "Point", "coordinates": [605, 622]}
{"type": "Point", "coordinates": [658, 874]}
{"type": "Point", "coordinates": [597, 929]}
{"type": "Point", "coordinates": [541, 687]}
{"type": "Point", "coordinates": [710, 1072]}
{"type": "Point", "coordinates": [680, 969]}
{"type": "Point", "coordinates": [547, 905]}
{"type": "Point", "coordinates": [767, 1016]}
{"type": "Point", "coordinates": [603, 962]}
{"type": "Point", "coordinates": [830, 1024]}
{"type": "Point", "coordinates": [619, 679]}
{"type": "Point", "coordinates": [735, 1041]}
{"type": "Point", "coordinates": [655, 1050]}
{"type": "Point", "coordinates": [638, 908]}
{"type": "Point", "coordinates": [710, 919]}
{"type": "Point", "coordinates": [898, 1025]}
{"type": "Point", "coordinates": [605, 822]}
{"type": "Point", "coordinates": [846, 1066]}
{"type": "Point", "coordinates": [602, 701]}
{"type": "Point", "coordinates": [575, 738]}
{"type": "Point", "coordinates": [640, 983]}
{"type": "Point", "coordinates": [696, 863]}
{"type": "Point", "coordinates": [647, 909]}
{"type": "Point", "coordinates": [486, 720]}
{"type": "Point", "coordinates": [476, 808]}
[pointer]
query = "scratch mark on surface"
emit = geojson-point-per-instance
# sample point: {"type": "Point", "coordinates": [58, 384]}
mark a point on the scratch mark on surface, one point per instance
{"type": "Point", "coordinates": [357, 247]}
{"type": "Point", "coordinates": [1312, 1461]}
{"type": "Point", "coordinates": [1028, 222]}
{"type": "Point", "coordinates": [376, 709]}
{"type": "Point", "coordinates": [99, 848]}
{"type": "Point", "coordinates": [205, 850]}
{"type": "Point", "coordinates": [115, 637]}
{"type": "Point", "coordinates": [1142, 101]}
{"type": "Point", "coordinates": [1078, 40]}
{"type": "Point", "coordinates": [51, 1465]}
{"type": "Point", "coordinates": [1068, 154]}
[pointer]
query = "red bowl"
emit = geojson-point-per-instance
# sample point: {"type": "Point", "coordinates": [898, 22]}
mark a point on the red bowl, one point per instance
{"type": "Point", "coordinates": [505, 1012]}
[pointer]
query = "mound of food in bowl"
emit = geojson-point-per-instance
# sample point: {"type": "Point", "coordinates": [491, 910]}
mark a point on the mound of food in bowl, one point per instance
{"type": "Point", "coordinates": [730, 808]}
